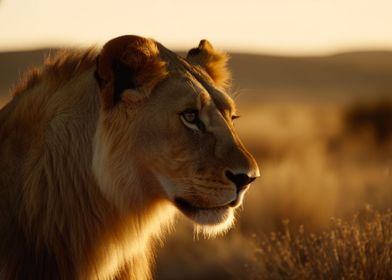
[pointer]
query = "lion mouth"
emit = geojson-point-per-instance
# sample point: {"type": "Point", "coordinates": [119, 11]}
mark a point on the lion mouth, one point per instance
{"type": "Point", "coordinates": [188, 207]}
{"type": "Point", "coordinates": [204, 215]}
{"type": "Point", "coordinates": [240, 197]}
{"type": "Point", "coordinates": [183, 204]}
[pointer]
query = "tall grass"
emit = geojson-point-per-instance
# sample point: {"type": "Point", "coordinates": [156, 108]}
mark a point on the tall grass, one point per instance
{"type": "Point", "coordinates": [356, 249]}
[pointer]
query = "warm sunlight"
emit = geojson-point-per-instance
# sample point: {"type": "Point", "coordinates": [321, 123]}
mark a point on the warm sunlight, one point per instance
{"type": "Point", "coordinates": [281, 26]}
{"type": "Point", "coordinates": [261, 152]}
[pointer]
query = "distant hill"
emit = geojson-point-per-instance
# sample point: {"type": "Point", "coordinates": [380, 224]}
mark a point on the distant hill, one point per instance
{"type": "Point", "coordinates": [337, 77]}
{"type": "Point", "coordinates": [340, 77]}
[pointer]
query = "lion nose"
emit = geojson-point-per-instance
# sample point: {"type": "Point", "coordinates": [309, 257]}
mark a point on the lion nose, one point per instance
{"type": "Point", "coordinates": [240, 180]}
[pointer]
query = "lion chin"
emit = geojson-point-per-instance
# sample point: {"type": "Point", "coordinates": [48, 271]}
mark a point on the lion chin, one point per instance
{"type": "Point", "coordinates": [211, 221]}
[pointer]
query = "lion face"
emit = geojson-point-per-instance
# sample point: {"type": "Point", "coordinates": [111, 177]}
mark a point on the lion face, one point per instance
{"type": "Point", "coordinates": [180, 135]}
{"type": "Point", "coordinates": [202, 165]}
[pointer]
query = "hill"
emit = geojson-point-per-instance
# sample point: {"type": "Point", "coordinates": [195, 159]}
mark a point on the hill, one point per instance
{"type": "Point", "coordinates": [340, 77]}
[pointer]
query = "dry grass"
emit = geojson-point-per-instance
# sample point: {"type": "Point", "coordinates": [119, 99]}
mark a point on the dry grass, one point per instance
{"type": "Point", "coordinates": [359, 249]}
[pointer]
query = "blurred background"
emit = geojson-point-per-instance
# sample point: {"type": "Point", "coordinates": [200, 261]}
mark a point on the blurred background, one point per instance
{"type": "Point", "coordinates": [313, 83]}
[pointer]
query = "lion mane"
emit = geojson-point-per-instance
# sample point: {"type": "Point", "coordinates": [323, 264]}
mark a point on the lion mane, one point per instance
{"type": "Point", "coordinates": [96, 159]}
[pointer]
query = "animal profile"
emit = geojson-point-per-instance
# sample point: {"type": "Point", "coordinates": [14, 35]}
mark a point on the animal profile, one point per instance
{"type": "Point", "coordinates": [101, 148]}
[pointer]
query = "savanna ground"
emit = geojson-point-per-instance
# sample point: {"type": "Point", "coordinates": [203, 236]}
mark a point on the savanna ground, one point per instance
{"type": "Point", "coordinates": [321, 207]}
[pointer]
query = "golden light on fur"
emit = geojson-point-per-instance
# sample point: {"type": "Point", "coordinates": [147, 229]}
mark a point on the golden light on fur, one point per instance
{"type": "Point", "coordinates": [214, 62]}
{"type": "Point", "coordinates": [96, 160]}
{"type": "Point", "coordinates": [212, 231]}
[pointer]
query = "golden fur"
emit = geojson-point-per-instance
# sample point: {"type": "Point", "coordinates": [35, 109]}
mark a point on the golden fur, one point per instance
{"type": "Point", "coordinates": [96, 158]}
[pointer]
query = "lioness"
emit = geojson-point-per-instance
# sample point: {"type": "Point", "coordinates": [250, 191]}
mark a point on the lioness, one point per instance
{"type": "Point", "coordinates": [98, 151]}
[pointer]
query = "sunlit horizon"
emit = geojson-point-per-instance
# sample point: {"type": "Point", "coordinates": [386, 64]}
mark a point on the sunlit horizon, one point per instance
{"type": "Point", "coordinates": [302, 27]}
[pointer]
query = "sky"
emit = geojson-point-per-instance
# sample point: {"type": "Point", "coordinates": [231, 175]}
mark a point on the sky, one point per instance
{"type": "Point", "coordinates": [290, 27]}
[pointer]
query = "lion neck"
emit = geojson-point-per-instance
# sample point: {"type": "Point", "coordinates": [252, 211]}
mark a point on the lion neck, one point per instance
{"type": "Point", "coordinates": [62, 202]}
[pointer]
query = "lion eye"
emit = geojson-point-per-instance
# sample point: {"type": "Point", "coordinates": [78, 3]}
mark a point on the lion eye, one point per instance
{"type": "Point", "coordinates": [234, 117]}
{"type": "Point", "coordinates": [191, 119]}
{"type": "Point", "coordinates": [190, 116]}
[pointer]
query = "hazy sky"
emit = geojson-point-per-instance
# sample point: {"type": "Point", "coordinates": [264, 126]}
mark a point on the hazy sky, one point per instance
{"type": "Point", "coordinates": [274, 26]}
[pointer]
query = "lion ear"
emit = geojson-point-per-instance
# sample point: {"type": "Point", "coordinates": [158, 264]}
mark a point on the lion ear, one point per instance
{"type": "Point", "coordinates": [214, 62]}
{"type": "Point", "coordinates": [128, 64]}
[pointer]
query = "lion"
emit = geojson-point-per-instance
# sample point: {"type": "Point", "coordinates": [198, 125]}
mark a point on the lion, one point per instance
{"type": "Point", "coordinates": [99, 151]}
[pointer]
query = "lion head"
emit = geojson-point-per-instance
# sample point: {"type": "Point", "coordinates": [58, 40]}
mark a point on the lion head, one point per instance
{"type": "Point", "coordinates": [175, 120]}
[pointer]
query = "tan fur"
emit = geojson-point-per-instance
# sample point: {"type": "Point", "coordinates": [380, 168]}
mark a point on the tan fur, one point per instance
{"type": "Point", "coordinates": [89, 183]}
{"type": "Point", "coordinates": [214, 62]}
